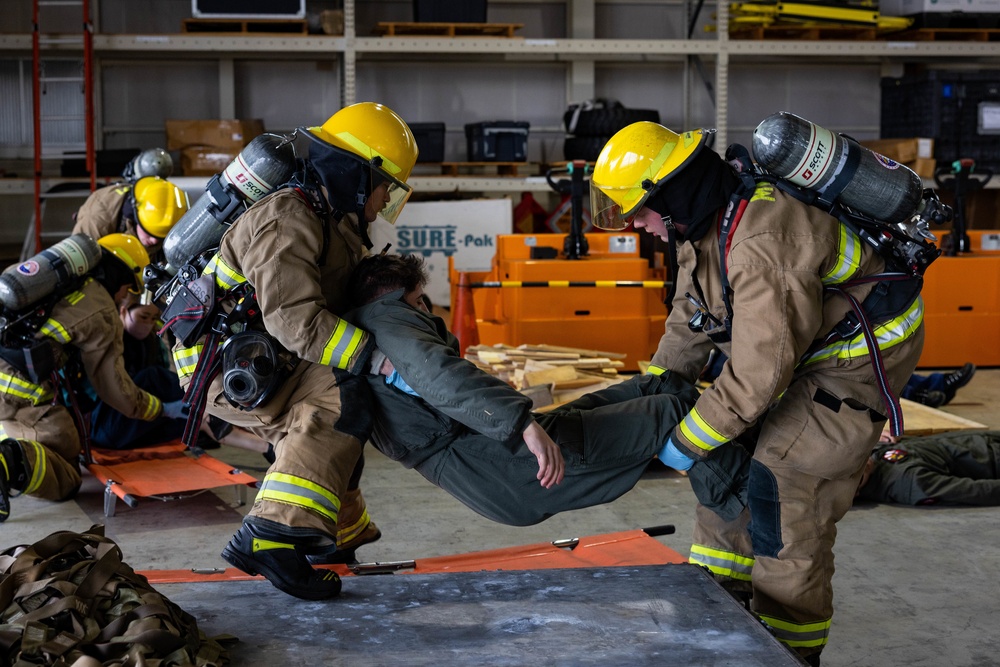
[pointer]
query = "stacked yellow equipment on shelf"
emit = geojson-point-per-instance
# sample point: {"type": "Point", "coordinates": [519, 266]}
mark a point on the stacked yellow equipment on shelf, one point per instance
{"type": "Point", "coordinates": [808, 14]}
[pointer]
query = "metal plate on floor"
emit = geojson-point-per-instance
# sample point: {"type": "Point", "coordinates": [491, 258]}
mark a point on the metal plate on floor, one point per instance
{"type": "Point", "coordinates": [649, 615]}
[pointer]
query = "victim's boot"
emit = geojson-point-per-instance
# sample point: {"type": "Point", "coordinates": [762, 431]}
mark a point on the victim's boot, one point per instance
{"type": "Point", "coordinates": [278, 552]}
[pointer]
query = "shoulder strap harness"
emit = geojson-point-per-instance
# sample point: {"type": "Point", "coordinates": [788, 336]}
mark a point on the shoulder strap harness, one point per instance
{"type": "Point", "coordinates": [896, 288]}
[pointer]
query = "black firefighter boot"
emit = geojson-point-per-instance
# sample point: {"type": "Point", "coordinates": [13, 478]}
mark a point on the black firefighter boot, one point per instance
{"type": "Point", "coordinates": [354, 529]}
{"type": "Point", "coordinates": [13, 474]}
{"type": "Point", "coordinates": [278, 552]}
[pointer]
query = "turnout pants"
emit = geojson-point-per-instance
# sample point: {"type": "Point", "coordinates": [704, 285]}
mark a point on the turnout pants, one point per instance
{"type": "Point", "coordinates": [607, 439]}
{"type": "Point", "coordinates": [806, 468]}
{"type": "Point", "coordinates": [318, 423]}
{"type": "Point", "coordinates": [51, 446]}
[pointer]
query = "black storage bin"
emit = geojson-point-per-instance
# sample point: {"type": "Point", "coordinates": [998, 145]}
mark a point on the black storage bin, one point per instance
{"type": "Point", "coordinates": [449, 11]}
{"type": "Point", "coordinates": [497, 141]}
{"type": "Point", "coordinates": [430, 141]}
{"type": "Point", "coordinates": [945, 106]}
{"type": "Point", "coordinates": [110, 163]}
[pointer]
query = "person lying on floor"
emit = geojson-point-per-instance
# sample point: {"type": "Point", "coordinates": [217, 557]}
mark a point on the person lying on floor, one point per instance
{"type": "Point", "coordinates": [476, 437]}
{"type": "Point", "coordinates": [147, 361]}
{"type": "Point", "coordinates": [957, 468]}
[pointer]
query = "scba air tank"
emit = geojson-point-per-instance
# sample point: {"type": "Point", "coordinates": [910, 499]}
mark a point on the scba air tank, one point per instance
{"type": "Point", "coordinates": [265, 163]}
{"type": "Point", "coordinates": [813, 157]}
{"type": "Point", "coordinates": [34, 279]}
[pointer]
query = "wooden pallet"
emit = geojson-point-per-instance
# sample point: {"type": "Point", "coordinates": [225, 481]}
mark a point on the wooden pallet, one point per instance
{"type": "Point", "coordinates": [946, 35]}
{"type": "Point", "coordinates": [246, 26]}
{"type": "Point", "coordinates": [861, 33]}
{"type": "Point", "coordinates": [390, 29]}
{"type": "Point", "coordinates": [811, 32]}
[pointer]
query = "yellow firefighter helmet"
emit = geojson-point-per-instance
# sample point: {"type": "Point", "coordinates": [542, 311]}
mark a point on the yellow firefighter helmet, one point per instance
{"type": "Point", "coordinates": [633, 162]}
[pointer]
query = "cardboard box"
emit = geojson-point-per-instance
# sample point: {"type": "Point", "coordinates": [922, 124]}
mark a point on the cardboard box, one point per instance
{"type": "Point", "coordinates": [226, 134]}
{"type": "Point", "coordinates": [917, 153]}
{"type": "Point", "coordinates": [924, 166]}
{"type": "Point", "coordinates": [205, 160]}
{"type": "Point", "coordinates": [902, 150]}
{"type": "Point", "coordinates": [332, 21]}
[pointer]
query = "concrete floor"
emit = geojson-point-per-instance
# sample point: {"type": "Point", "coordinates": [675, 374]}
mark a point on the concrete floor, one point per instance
{"type": "Point", "coordinates": [914, 586]}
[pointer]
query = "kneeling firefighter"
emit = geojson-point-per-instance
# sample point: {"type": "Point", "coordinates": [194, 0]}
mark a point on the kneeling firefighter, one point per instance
{"type": "Point", "coordinates": [779, 286]}
{"type": "Point", "coordinates": [71, 330]}
{"type": "Point", "coordinates": [284, 365]}
{"type": "Point", "coordinates": [146, 209]}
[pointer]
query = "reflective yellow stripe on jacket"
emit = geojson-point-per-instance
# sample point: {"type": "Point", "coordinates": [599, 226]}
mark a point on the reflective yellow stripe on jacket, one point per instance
{"type": "Point", "coordinates": [699, 433]}
{"type": "Point", "coordinates": [294, 490]}
{"type": "Point", "coordinates": [186, 359]}
{"type": "Point", "coordinates": [226, 277]}
{"type": "Point", "coordinates": [344, 342]}
{"type": "Point", "coordinates": [342, 346]}
{"type": "Point", "coordinates": [15, 386]}
{"type": "Point", "coordinates": [723, 563]}
{"type": "Point", "coordinates": [56, 331]}
{"type": "Point", "coordinates": [808, 635]}
{"type": "Point", "coordinates": [887, 335]}
{"type": "Point", "coordinates": [848, 258]}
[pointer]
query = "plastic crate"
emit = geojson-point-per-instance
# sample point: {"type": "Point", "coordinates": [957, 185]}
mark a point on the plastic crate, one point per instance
{"type": "Point", "coordinates": [430, 141]}
{"type": "Point", "coordinates": [497, 141]}
{"type": "Point", "coordinates": [109, 162]}
{"type": "Point", "coordinates": [946, 106]}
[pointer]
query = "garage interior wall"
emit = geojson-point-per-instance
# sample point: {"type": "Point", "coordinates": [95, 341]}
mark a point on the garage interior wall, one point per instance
{"type": "Point", "coordinates": [135, 95]}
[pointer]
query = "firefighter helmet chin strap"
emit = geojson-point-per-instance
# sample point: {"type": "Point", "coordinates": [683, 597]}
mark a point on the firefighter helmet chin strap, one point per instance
{"type": "Point", "coordinates": [128, 212]}
{"type": "Point", "coordinates": [360, 199]}
{"type": "Point", "coordinates": [366, 188]}
{"type": "Point", "coordinates": [671, 260]}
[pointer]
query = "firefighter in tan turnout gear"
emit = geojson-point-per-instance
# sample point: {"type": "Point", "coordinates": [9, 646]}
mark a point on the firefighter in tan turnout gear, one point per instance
{"type": "Point", "coordinates": [146, 209]}
{"type": "Point", "coordinates": [815, 398]}
{"type": "Point", "coordinates": [295, 249]}
{"type": "Point", "coordinates": [39, 442]}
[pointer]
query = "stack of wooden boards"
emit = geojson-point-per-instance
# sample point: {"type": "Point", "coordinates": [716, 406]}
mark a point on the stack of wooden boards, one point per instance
{"type": "Point", "coordinates": [549, 374]}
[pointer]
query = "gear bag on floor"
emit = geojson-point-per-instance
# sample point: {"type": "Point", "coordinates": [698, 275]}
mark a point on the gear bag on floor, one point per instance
{"type": "Point", "coordinates": [69, 601]}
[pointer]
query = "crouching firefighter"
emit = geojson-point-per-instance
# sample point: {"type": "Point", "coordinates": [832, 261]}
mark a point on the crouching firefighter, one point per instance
{"type": "Point", "coordinates": [71, 330]}
{"type": "Point", "coordinates": [820, 330]}
{"type": "Point", "coordinates": [277, 360]}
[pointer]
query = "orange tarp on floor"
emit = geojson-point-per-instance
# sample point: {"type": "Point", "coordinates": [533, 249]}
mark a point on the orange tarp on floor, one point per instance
{"type": "Point", "coordinates": [163, 469]}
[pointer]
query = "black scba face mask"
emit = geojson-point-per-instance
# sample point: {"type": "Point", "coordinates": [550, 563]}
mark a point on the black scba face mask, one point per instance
{"type": "Point", "coordinates": [254, 366]}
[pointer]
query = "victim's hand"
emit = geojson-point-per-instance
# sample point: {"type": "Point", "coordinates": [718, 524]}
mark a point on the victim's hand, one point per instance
{"type": "Point", "coordinates": [551, 466]}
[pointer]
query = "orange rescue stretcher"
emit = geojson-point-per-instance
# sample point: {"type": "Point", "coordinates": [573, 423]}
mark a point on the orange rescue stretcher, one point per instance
{"type": "Point", "coordinates": [625, 548]}
{"type": "Point", "coordinates": [163, 472]}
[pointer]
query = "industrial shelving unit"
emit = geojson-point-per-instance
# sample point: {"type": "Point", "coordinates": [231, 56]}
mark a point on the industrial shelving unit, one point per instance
{"type": "Point", "coordinates": [581, 52]}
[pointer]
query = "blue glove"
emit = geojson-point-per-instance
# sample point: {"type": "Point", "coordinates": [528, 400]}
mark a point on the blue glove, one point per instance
{"type": "Point", "coordinates": [673, 457]}
{"type": "Point", "coordinates": [395, 380]}
{"type": "Point", "coordinates": [174, 410]}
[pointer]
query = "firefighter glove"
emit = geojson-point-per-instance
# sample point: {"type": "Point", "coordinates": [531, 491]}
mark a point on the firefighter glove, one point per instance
{"type": "Point", "coordinates": [174, 410]}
